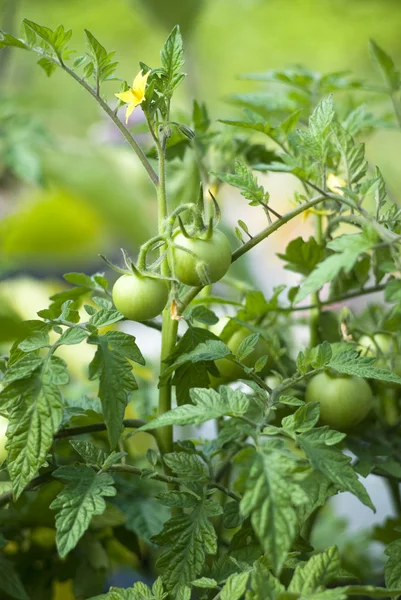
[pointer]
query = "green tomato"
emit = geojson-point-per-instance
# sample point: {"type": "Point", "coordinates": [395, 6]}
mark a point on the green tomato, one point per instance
{"type": "Point", "coordinates": [387, 393]}
{"type": "Point", "coordinates": [344, 400]}
{"type": "Point", "coordinates": [227, 369]}
{"type": "Point", "coordinates": [139, 297]}
{"type": "Point", "coordinates": [206, 262]}
{"type": "Point", "coordinates": [380, 341]}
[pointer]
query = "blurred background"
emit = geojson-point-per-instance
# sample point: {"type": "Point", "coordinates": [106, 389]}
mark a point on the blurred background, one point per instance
{"type": "Point", "coordinates": [71, 189]}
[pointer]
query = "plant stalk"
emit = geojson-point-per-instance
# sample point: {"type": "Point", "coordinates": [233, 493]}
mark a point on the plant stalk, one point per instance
{"type": "Point", "coordinates": [314, 318]}
{"type": "Point", "coordinates": [169, 325]}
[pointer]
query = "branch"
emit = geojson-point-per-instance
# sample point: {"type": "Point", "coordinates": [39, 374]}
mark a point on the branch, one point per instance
{"type": "Point", "coordinates": [274, 226]}
{"type": "Point", "coordinates": [356, 294]}
{"type": "Point", "coordinates": [73, 431]}
{"type": "Point", "coordinates": [8, 496]}
{"type": "Point", "coordinates": [46, 477]}
{"type": "Point", "coordinates": [127, 135]}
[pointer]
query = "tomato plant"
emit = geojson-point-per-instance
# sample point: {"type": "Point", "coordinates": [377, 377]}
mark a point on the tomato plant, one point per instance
{"type": "Point", "coordinates": [215, 491]}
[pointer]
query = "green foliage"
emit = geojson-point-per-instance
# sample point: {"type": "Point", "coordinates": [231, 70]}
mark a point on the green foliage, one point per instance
{"type": "Point", "coordinates": [187, 539]}
{"type": "Point", "coordinates": [239, 509]}
{"type": "Point", "coordinates": [78, 502]}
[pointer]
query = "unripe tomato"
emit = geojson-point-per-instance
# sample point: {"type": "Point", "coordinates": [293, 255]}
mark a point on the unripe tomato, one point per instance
{"type": "Point", "coordinates": [344, 400]}
{"type": "Point", "coordinates": [139, 297]}
{"type": "Point", "coordinates": [385, 344]}
{"type": "Point", "coordinates": [387, 392]}
{"type": "Point", "coordinates": [207, 261]}
{"type": "Point", "coordinates": [230, 371]}
{"type": "Point", "coordinates": [380, 341]}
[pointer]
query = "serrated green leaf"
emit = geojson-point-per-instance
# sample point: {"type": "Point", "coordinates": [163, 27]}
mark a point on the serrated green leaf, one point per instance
{"type": "Point", "coordinates": [347, 250]}
{"type": "Point", "coordinates": [56, 371]}
{"type": "Point", "coordinates": [81, 498]}
{"type": "Point", "coordinates": [291, 401]}
{"type": "Point", "coordinates": [9, 40]}
{"type": "Point", "coordinates": [320, 570]}
{"type": "Point", "coordinates": [187, 466]}
{"type": "Point", "coordinates": [350, 363]}
{"type": "Point", "coordinates": [318, 488]}
{"type": "Point", "coordinates": [387, 67]}
{"type": "Point", "coordinates": [205, 583]}
{"type": "Point", "coordinates": [352, 154]}
{"type": "Point", "coordinates": [392, 569]}
{"type": "Point", "coordinates": [247, 346]}
{"type": "Point", "coordinates": [32, 423]}
{"type": "Point", "coordinates": [24, 367]}
{"type": "Point", "coordinates": [105, 316]}
{"type": "Point", "coordinates": [187, 538]}
{"type": "Point", "coordinates": [116, 382]}
{"type": "Point", "coordinates": [103, 67]}
{"type": "Point", "coordinates": [204, 315]}
{"type": "Point", "coordinates": [302, 257]}
{"type": "Point", "coordinates": [234, 587]}
{"type": "Point", "coordinates": [207, 404]}
{"type": "Point", "coordinates": [334, 465]}
{"type": "Point", "coordinates": [91, 454]}
{"type": "Point", "coordinates": [56, 40]}
{"type": "Point", "coordinates": [304, 419]}
{"type": "Point", "coordinates": [244, 180]}
{"type": "Point", "coordinates": [124, 344]}
{"type": "Point", "coordinates": [10, 582]}
{"type": "Point", "coordinates": [47, 65]}
{"type": "Point", "coordinates": [145, 516]}
{"type": "Point", "coordinates": [73, 335]}
{"type": "Point", "coordinates": [270, 499]}
{"type": "Point", "coordinates": [263, 584]}
{"type": "Point", "coordinates": [38, 336]}
{"type": "Point", "coordinates": [172, 58]}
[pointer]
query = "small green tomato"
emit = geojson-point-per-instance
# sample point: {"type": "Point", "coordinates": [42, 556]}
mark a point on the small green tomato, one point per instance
{"type": "Point", "coordinates": [344, 400]}
{"type": "Point", "coordinates": [227, 369]}
{"type": "Point", "coordinates": [139, 297]}
{"type": "Point", "coordinates": [200, 261]}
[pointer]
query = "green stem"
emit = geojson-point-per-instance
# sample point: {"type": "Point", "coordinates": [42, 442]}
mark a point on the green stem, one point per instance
{"type": "Point", "coordinates": [276, 225]}
{"type": "Point", "coordinates": [169, 337]}
{"type": "Point", "coordinates": [314, 317]}
{"type": "Point", "coordinates": [394, 489]}
{"type": "Point", "coordinates": [169, 325]}
{"type": "Point", "coordinates": [94, 93]}
{"type": "Point", "coordinates": [95, 427]}
{"type": "Point", "coordinates": [123, 468]}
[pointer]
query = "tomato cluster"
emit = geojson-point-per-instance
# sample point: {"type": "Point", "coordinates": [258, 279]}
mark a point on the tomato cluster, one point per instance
{"type": "Point", "coordinates": [195, 261]}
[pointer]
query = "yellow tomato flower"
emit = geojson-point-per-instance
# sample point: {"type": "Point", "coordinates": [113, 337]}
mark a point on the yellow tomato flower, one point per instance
{"type": "Point", "coordinates": [334, 184]}
{"type": "Point", "coordinates": [134, 95]}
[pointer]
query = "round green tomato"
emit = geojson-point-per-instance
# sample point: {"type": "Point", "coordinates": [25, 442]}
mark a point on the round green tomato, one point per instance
{"type": "Point", "coordinates": [139, 297]}
{"type": "Point", "coordinates": [384, 344]}
{"type": "Point", "coordinates": [227, 369]}
{"type": "Point", "coordinates": [380, 341]}
{"type": "Point", "coordinates": [206, 262]}
{"type": "Point", "coordinates": [344, 400]}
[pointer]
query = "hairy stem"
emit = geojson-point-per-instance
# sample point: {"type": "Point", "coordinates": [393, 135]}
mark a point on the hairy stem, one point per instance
{"type": "Point", "coordinates": [274, 226]}
{"type": "Point", "coordinates": [123, 468]}
{"type": "Point", "coordinates": [314, 318]}
{"type": "Point", "coordinates": [95, 427]}
{"type": "Point", "coordinates": [169, 325]}
{"type": "Point", "coordinates": [394, 489]}
{"type": "Point", "coordinates": [94, 93]}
